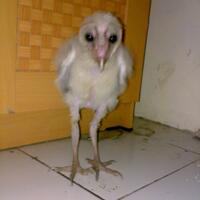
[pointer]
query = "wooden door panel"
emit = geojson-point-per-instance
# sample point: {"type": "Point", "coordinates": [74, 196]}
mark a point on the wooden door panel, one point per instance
{"type": "Point", "coordinates": [24, 128]}
{"type": "Point", "coordinates": [43, 25]}
{"type": "Point", "coordinates": [37, 91]}
{"type": "Point", "coordinates": [136, 27]}
{"type": "Point", "coordinates": [8, 21]}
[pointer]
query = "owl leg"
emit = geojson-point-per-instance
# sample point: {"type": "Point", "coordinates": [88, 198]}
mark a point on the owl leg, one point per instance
{"type": "Point", "coordinates": [96, 163]}
{"type": "Point", "coordinates": [75, 134]}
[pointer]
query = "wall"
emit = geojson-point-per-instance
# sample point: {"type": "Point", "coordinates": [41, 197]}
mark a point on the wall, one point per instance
{"type": "Point", "coordinates": [171, 78]}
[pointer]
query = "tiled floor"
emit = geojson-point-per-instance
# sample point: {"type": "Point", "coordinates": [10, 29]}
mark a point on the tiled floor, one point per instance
{"type": "Point", "coordinates": [157, 163]}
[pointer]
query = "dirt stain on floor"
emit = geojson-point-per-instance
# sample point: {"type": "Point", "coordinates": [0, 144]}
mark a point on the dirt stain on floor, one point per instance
{"type": "Point", "coordinates": [144, 131]}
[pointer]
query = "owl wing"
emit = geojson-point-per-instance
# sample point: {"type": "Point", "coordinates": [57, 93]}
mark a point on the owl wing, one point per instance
{"type": "Point", "coordinates": [125, 63]}
{"type": "Point", "coordinates": [64, 60]}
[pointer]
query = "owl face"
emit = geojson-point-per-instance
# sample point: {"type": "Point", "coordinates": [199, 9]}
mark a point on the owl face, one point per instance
{"type": "Point", "coordinates": [101, 33]}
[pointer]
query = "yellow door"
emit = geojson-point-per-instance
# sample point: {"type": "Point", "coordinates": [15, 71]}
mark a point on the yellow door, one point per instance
{"type": "Point", "coordinates": [31, 109]}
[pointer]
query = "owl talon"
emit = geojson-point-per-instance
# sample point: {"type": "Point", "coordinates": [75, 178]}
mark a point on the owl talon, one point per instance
{"type": "Point", "coordinates": [98, 166]}
{"type": "Point", "coordinates": [74, 169]}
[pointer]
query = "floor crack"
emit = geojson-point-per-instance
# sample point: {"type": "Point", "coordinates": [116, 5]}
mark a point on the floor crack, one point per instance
{"type": "Point", "coordinates": [59, 173]}
{"type": "Point", "coordinates": [186, 150]}
{"type": "Point", "coordinates": [159, 179]}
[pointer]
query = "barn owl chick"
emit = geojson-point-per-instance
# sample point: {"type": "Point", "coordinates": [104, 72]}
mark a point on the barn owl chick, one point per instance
{"type": "Point", "coordinates": [93, 68]}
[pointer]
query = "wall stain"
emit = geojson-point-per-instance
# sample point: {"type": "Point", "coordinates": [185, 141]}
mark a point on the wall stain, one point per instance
{"type": "Point", "coordinates": [165, 71]}
{"type": "Point", "coordinates": [189, 52]}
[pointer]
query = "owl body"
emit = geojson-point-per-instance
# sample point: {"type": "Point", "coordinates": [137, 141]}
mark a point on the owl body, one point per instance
{"type": "Point", "coordinates": [88, 85]}
{"type": "Point", "coordinates": [93, 69]}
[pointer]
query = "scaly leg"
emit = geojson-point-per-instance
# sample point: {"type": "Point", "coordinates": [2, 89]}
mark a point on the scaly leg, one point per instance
{"type": "Point", "coordinates": [96, 163]}
{"type": "Point", "coordinates": [75, 134]}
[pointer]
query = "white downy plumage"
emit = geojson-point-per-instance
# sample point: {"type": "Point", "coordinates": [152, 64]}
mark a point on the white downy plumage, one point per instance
{"type": "Point", "coordinates": [93, 68]}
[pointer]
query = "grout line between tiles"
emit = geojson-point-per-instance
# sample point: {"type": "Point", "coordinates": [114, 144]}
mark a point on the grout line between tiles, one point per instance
{"type": "Point", "coordinates": [186, 150]}
{"type": "Point", "coordinates": [59, 173]}
{"type": "Point", "coordinates": [159, 179]}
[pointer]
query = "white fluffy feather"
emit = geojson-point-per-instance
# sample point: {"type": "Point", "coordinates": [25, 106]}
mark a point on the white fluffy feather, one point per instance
{"type": "Point", "coordinates": [84, 82]}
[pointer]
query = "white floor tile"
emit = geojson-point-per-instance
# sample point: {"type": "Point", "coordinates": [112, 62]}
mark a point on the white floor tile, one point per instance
{"type": "Point", "coordinates": [184, 139]}
{"type": "Point", "coordinates": [183, 185]}
{"type": "Point", "coordinates": [22, 178]}
{"type": "Point", "coordinates": [140, 159]}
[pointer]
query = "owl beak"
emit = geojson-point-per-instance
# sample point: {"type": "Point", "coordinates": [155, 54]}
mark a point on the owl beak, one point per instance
{"type": "Point", "coordinates": [101, 64]}
{"type": "Point", "coordinates": [101, 52]}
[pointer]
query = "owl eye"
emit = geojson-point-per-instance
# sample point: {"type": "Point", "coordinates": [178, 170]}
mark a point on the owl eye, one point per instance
{"type": "Point", "coordinates": [113, 38]}
{"type": "Point", "coordinates": [89, 37]}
